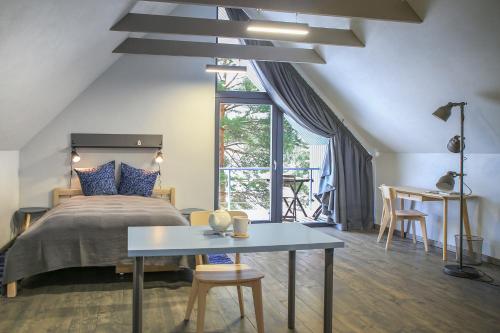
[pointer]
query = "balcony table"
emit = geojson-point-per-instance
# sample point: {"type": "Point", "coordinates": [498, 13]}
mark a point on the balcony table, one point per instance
{"type": "Point", "coordinates": [295, 184]}
{"type": "Point", "coordinates": [188, 240]}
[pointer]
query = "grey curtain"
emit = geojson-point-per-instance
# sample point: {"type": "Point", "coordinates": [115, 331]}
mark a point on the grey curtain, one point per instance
{"type": "Point", "coordinates": [351, 163]}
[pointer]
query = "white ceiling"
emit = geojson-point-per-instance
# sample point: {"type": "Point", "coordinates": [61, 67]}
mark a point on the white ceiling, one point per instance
{"type": "Point", "coordinates": [389, 89]}
{"type": "Point", "coordinates": [50, 51]}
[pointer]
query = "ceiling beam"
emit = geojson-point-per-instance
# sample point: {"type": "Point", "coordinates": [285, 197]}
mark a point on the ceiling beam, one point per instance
{"type": "Point", "coordinates": [213, 50]}
{"type": "Point", "coordinates": [390, 10]}
{"type": "Point", "coordinates": [230, 29]}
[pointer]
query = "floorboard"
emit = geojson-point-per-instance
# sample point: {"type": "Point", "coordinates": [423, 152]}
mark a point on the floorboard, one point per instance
{"type": "Point", "coordinates": [402, 290]}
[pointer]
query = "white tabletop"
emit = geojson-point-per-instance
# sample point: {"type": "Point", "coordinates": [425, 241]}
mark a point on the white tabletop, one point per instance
{"type": "Point", "coordinates": [187, 240]}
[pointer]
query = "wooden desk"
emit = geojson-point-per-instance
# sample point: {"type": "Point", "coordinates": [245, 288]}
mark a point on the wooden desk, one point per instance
{"type": "Point", "coordinates": [418, 194]}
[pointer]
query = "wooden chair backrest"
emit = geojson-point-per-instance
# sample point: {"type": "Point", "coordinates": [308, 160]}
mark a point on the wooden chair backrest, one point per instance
{"type": "Point", "coordinates": [388, 197]}
{"type": "Point", "coordinates": [201, 218]}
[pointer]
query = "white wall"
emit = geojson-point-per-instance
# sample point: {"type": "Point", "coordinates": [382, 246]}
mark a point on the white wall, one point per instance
{"type": "Point", "coordinates": [138, 94]}
{"type": "Point", "coordinates": [390, 87]}
{"type": "Point", "coordinates": [9, 195]}
{"type": "Point", "coordinates": [173, 96]}
{"type": "Point", "coordinates": [423, 170]}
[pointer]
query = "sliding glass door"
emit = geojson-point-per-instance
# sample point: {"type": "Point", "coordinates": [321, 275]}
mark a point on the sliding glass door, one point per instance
{"type": "Point", "coordinates": [247, 142]}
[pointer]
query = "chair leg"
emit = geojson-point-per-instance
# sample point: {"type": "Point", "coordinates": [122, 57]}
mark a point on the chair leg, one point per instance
{"type": "Point", "coordinates": [424, 233]}
{"type": "Point", "coordinates": [414, 232]}
{"type": "Point", "coordinates": [12, 289]}
{"type": "Point", "coordinates": [192, 298]}
{"type": "Point", "coordinates": [392, 227]}
{"type": "Point", "coordinates": [257, 303]}
{"type": "Point", "coordinates": [402, 228]}
{"type": "Point", "coordinates": [383, 225]}
{"type": "Point", "coordinates": [202, 302]}
{"type": "Point", "coordinates": [240, 300]}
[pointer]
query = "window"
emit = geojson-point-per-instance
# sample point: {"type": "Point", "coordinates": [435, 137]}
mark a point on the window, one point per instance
{"type": "Point", "coordinates": [258, 150]}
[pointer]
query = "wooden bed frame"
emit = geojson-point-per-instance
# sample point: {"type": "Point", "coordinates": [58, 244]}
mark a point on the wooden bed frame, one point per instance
{"type": "Point", "coordinates": [61, 194]}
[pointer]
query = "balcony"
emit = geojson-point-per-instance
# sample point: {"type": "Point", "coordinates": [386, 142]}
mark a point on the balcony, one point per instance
{"type": "Point", "coordinates": [248, 189]}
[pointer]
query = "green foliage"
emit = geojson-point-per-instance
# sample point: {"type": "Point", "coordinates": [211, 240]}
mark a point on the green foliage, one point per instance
{"type": "Point", "coordinates": [247, 144]}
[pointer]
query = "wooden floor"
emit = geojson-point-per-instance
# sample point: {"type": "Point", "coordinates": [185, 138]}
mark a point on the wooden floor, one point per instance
{"type": "Point", "coordinates": [402, 290]}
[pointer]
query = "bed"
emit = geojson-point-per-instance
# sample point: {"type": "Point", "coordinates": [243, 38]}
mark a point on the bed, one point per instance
{"type": "Point", "coordinates": [86, 231]}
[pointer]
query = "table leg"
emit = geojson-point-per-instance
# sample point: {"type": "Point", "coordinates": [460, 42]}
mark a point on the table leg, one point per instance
{"type": "Point", "coordinates": [294, 204]}
{"type": "Point", "coordinates": [328, 297]}
{"type": "Point", "coordinates": [402, 207]}
{"type": "Point", "coordinates": [27, 221]}
{"type": "Point", "coordinates": [468, 232]}
{"type": "Point", "coordinates": [445, 229]}
{"type": "Point", "coordinates": [291, 289]}
{"type": "Point", "coordinates": [408, 227]}
{"type": "Point", "coordinates": [296, 194]}
{"type": "Point", "coordinates": [138, 281]}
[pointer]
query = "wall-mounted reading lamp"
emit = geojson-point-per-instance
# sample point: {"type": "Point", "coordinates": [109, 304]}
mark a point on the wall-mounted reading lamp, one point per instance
{"type": "Point", "coordinates": [75, 158]}
{"type": "Point", "coordinates": [447, 182]}
{"type": "Point", "coordinates": [142, 141]}
{"type": "Point", "coordinates": [159, 157]}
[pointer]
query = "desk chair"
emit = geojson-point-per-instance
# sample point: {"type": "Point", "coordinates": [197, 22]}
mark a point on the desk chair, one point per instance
{"type": "Point", "coordinates": [391, 216]}
{"type": "Point", "coordinates": [209, 276]}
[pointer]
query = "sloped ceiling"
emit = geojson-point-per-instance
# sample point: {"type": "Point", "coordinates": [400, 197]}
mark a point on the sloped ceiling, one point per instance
{"type": "Point", "coordinates": [389, 89]}
{"type": "Point", "coordinates": [50, 51]}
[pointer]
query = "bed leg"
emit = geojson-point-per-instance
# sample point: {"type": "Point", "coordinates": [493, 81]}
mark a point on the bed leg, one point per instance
{"type": "Point", "coordinates": [12, 289]}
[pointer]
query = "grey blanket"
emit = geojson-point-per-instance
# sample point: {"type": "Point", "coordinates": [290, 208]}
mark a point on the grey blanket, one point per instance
{"type": "Point", "coordinates": [86, 231]}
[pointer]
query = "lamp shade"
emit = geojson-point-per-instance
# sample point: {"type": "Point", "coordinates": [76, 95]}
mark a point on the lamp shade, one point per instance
{"type": "Point", "coordinates": [443, 112]}
{"type": "Point", "coordinates": [75, 158]}
{"type": "Point", "coordinates": [454, 144]}
{"type": "Point", "coordinates": [159, 157]}
{"type": "Point", "coordinates": [447, 182]}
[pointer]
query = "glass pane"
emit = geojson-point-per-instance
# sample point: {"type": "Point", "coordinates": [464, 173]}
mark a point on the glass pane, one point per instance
{"type": "Point", "coordinates": [248, 81]}
{"type": "Point", "coordinates": [303, 154]}
{"type": "Point", "coordinates": [238, 81]}
{"type": "Point", "coordinates": [245, 159]}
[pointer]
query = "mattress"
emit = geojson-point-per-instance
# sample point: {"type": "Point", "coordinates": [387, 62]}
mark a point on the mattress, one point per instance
{"type": "Point", "coordinates": [87, 231]}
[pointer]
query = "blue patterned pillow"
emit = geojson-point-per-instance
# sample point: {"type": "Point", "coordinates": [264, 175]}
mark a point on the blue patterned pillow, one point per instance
{"type": "Point", "coordinates": [99, 180]}
{"type": "Point", "coordinates": [137, 181]}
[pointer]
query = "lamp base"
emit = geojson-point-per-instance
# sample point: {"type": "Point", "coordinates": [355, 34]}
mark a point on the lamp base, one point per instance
{"type": "Point", "coordinates": [465, 272]}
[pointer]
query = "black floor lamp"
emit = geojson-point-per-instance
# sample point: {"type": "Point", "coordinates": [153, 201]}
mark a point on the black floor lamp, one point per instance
{"type": "Point", "coordinates": [447, 182]}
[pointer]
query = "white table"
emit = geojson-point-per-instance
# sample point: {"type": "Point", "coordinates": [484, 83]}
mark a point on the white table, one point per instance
{"type": "Point", "coordinates": [187, 240]}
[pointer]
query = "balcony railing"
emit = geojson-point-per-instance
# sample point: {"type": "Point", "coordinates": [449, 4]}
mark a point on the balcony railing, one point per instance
{"type": "Point", "coordinates": [229, 171]}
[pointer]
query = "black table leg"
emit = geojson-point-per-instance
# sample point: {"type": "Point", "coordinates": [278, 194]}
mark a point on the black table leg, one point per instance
{"type": "Point", "coordinates": [138, 281]}
{"type": "Point", "coordinates": [291, 289]}
{"type": "Point", "coordinates": [328, 297]}
{"type": "Point", "coordinates": [297, 200]}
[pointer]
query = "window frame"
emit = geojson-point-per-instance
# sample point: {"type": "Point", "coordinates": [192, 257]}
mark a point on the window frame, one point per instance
{"type": "Point", "coordinates": [276, 158]}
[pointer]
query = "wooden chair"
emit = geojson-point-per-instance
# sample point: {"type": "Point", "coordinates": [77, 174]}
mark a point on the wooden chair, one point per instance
{"type": "Point", "coordinates": [391, 216]}
{"type": "Point", "coordinates": [209, 276]}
